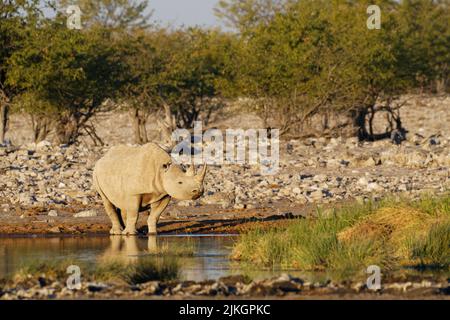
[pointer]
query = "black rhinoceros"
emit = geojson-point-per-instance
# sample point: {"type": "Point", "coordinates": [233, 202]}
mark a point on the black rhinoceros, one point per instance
{"type": "Point", "coordinates": [135, 179]}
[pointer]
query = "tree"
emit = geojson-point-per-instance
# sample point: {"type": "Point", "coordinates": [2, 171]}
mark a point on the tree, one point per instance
{"type": "Point", "coordinates": [424, 27]}
{"type": "Point", "coordinates": [16, 17]}
{"type": "Point", "coordinates": [112, 14]}
{"type": "Point", "coordinates": [244, 15]}
{"type": "Point", "coordinates": [146, 55]}
{"type": "Point", "coordinates": [64, 75]}
{"type": "Point", "coordinates": [318, 57]}
{"type": "Point", "coordinates": [175, 75]}
{"type": "Point", "coordinates": [197, 74]}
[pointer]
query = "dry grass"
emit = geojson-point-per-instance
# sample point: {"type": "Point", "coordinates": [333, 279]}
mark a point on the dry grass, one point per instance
{"type": "Point", "coordinates": [393, 226]}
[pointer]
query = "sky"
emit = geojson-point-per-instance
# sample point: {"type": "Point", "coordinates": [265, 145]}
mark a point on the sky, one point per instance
{"type": "Point", "coordinates": [185, 12]}
{"type": "Point", "coordinates": [182, 12]}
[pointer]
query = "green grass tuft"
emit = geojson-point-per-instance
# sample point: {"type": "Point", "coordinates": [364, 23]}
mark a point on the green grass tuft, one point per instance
{"type": "Point", "coordinates": [434, 249]}
{"type": "Point", "coordinates": [348, 239]}
{"type": "Point", "coordinates": [141, 271]}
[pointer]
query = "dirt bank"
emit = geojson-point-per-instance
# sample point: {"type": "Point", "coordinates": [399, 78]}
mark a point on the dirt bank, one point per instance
{"type": "Point", "coordinates": [188, 220]}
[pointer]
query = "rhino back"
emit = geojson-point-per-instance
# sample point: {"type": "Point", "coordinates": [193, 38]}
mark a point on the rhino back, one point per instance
{"type": "Point", "coordinates": [125, 171]}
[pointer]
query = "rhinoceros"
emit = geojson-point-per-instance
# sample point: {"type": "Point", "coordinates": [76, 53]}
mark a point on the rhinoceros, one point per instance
{"type": "Point", "coordinates": [135, 179]}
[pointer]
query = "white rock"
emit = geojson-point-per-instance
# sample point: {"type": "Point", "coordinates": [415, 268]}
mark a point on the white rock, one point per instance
{"type": "Point", "coordinates": [320, 178]}
{"type": "Point", "coordinates": [297, 190]}
{"type": "Point", "coordinates": [363, 181]}
{"type": "Point", "coordinates": [317, 195]}
{"type": "Point", "coordinates": [374, 187]}
{"type": "Point", "coordinates": [53, 213]}
{"type": "Point", "coordinates": [86, 214]}
{"type": "Point", "coordinates": [43, 145]}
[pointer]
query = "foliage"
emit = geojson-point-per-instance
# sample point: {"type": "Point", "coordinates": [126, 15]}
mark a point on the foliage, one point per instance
{"type": "Point", "coordinates": [69, 73]}
{"type": "Point", "coordinates": [114, 14]}
{"type": "Point", "coordinates": [293, 59]}
{"type": "Point", "coordinates": [184, 72]}
{"type": "Point", "coordinates": [302, 58]}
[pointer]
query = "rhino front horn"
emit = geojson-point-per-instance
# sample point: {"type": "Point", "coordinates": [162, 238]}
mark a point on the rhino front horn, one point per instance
{"type": "Point", "coordinates": [202, 174]}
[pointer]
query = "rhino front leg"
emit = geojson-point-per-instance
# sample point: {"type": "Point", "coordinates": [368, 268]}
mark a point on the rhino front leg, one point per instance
{"type": "Point", "coordinates": [132, 214]}
{"type": "Point", "coordinates": [156, 209]}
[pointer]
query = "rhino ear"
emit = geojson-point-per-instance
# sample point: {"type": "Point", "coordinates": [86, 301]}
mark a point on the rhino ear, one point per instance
{"type": "Point", "coordinates": [190, 172]}
{"type": "Point", "coordinates": [166, 166]}
{"type": "Point", "coordinates": [201, 176]}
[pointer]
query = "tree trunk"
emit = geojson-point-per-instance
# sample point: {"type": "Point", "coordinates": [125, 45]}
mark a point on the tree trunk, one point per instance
{"type": "Point", "coordinates": [166, 127]}
{"type": "Point", "coordinates": [138, 122]}
{"type": "Point", "coordinates": [4, 115]}
{"type": "Point", "coordinates": [441, 86]}
{"type": "Point", "coordinates": [67, 130]}
{"type": "Point", "coordinates": [359, 123]}
{"type": "Point", "coordinates": [41, 127]}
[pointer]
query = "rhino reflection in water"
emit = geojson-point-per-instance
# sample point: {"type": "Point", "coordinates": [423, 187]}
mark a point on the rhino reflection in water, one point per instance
{"type": "Point", "coordinates": [128, 250]}
{"type": "Point", "coordinates": [135, 179]}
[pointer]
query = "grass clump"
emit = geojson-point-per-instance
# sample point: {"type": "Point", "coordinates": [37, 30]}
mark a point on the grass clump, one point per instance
{"type": "Point", "coordinates": [347, 240]}
{"type": "Point", "coordinates": [434, 249]}
{"type": "Point", "coordinates": [166, 249]}
{"type": "Point", "coordinates": [140, 271]}
{"type": "Point", "coordinates": [305, 244]}
{"type": "Point", "coordinates": [53, 269]}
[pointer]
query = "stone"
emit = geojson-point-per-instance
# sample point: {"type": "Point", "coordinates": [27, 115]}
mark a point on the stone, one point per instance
{"type": "Point", "coordinates": [369, 162]}
{"type": "Point", "coordinates": [43, 145]}
{"type": "Point", "coordinates": [320, 178]}
{"type": "Point", "coordinates": [96, 287]}
{"type": "Point", "coordinates": [52, 213]}
{"type": "Point", "coordinates": [374, 187]}
{"type": "Point", "coordinates": [297, 190]}
{"type": "Point", "coordinates": [239, 206]}
{"type": "Point", "coordinates": [86, 214]}
{"type": "Point", "coordinates": [316, 195]}
{"type": "Point", "coordinates": [54, 230]}
{"type": "Point", "coordinates": [363, 181]}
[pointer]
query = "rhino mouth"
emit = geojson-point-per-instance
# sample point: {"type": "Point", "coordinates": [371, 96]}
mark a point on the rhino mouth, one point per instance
{"type": "Point", "coordinates": [197, 196]}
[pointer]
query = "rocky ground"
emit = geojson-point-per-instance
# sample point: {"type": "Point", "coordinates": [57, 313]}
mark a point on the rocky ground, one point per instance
{"type": "Point", "coordinates": [283, 287]}
{"type": "Point", "coordinates": [48, 189]}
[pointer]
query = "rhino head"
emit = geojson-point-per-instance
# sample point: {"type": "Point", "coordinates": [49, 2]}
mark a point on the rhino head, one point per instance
{"type": "Point", "coordinates": [183, 185]}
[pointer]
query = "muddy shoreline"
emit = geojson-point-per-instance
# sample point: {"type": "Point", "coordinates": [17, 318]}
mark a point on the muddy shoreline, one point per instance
{"type": "Point", "coordinates": [198, 220]}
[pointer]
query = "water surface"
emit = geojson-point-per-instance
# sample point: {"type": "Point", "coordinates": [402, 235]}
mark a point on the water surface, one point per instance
{"type": "Point", "coordinates": [209, 261]}
{"type": "Point", "coordinates": [207, 258]}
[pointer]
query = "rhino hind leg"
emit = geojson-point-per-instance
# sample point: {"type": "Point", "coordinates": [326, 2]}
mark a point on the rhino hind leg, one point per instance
{"type": "Point", "coordinates": [111, 210]}
{"type": "Point", "coordinates": [113, 215]}
{"type": "Point", "coordinates": [156, 211]}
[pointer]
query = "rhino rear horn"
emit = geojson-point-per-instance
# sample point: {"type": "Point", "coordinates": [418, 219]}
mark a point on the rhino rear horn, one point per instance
{"type": "Point", "coordinates": [190, 172]}
{"type": "Point", "coordinates": [201, 176]}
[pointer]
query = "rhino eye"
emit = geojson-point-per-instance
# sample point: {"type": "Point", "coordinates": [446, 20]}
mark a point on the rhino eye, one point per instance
{"type": "Point", "coordinates": [179, 182]}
